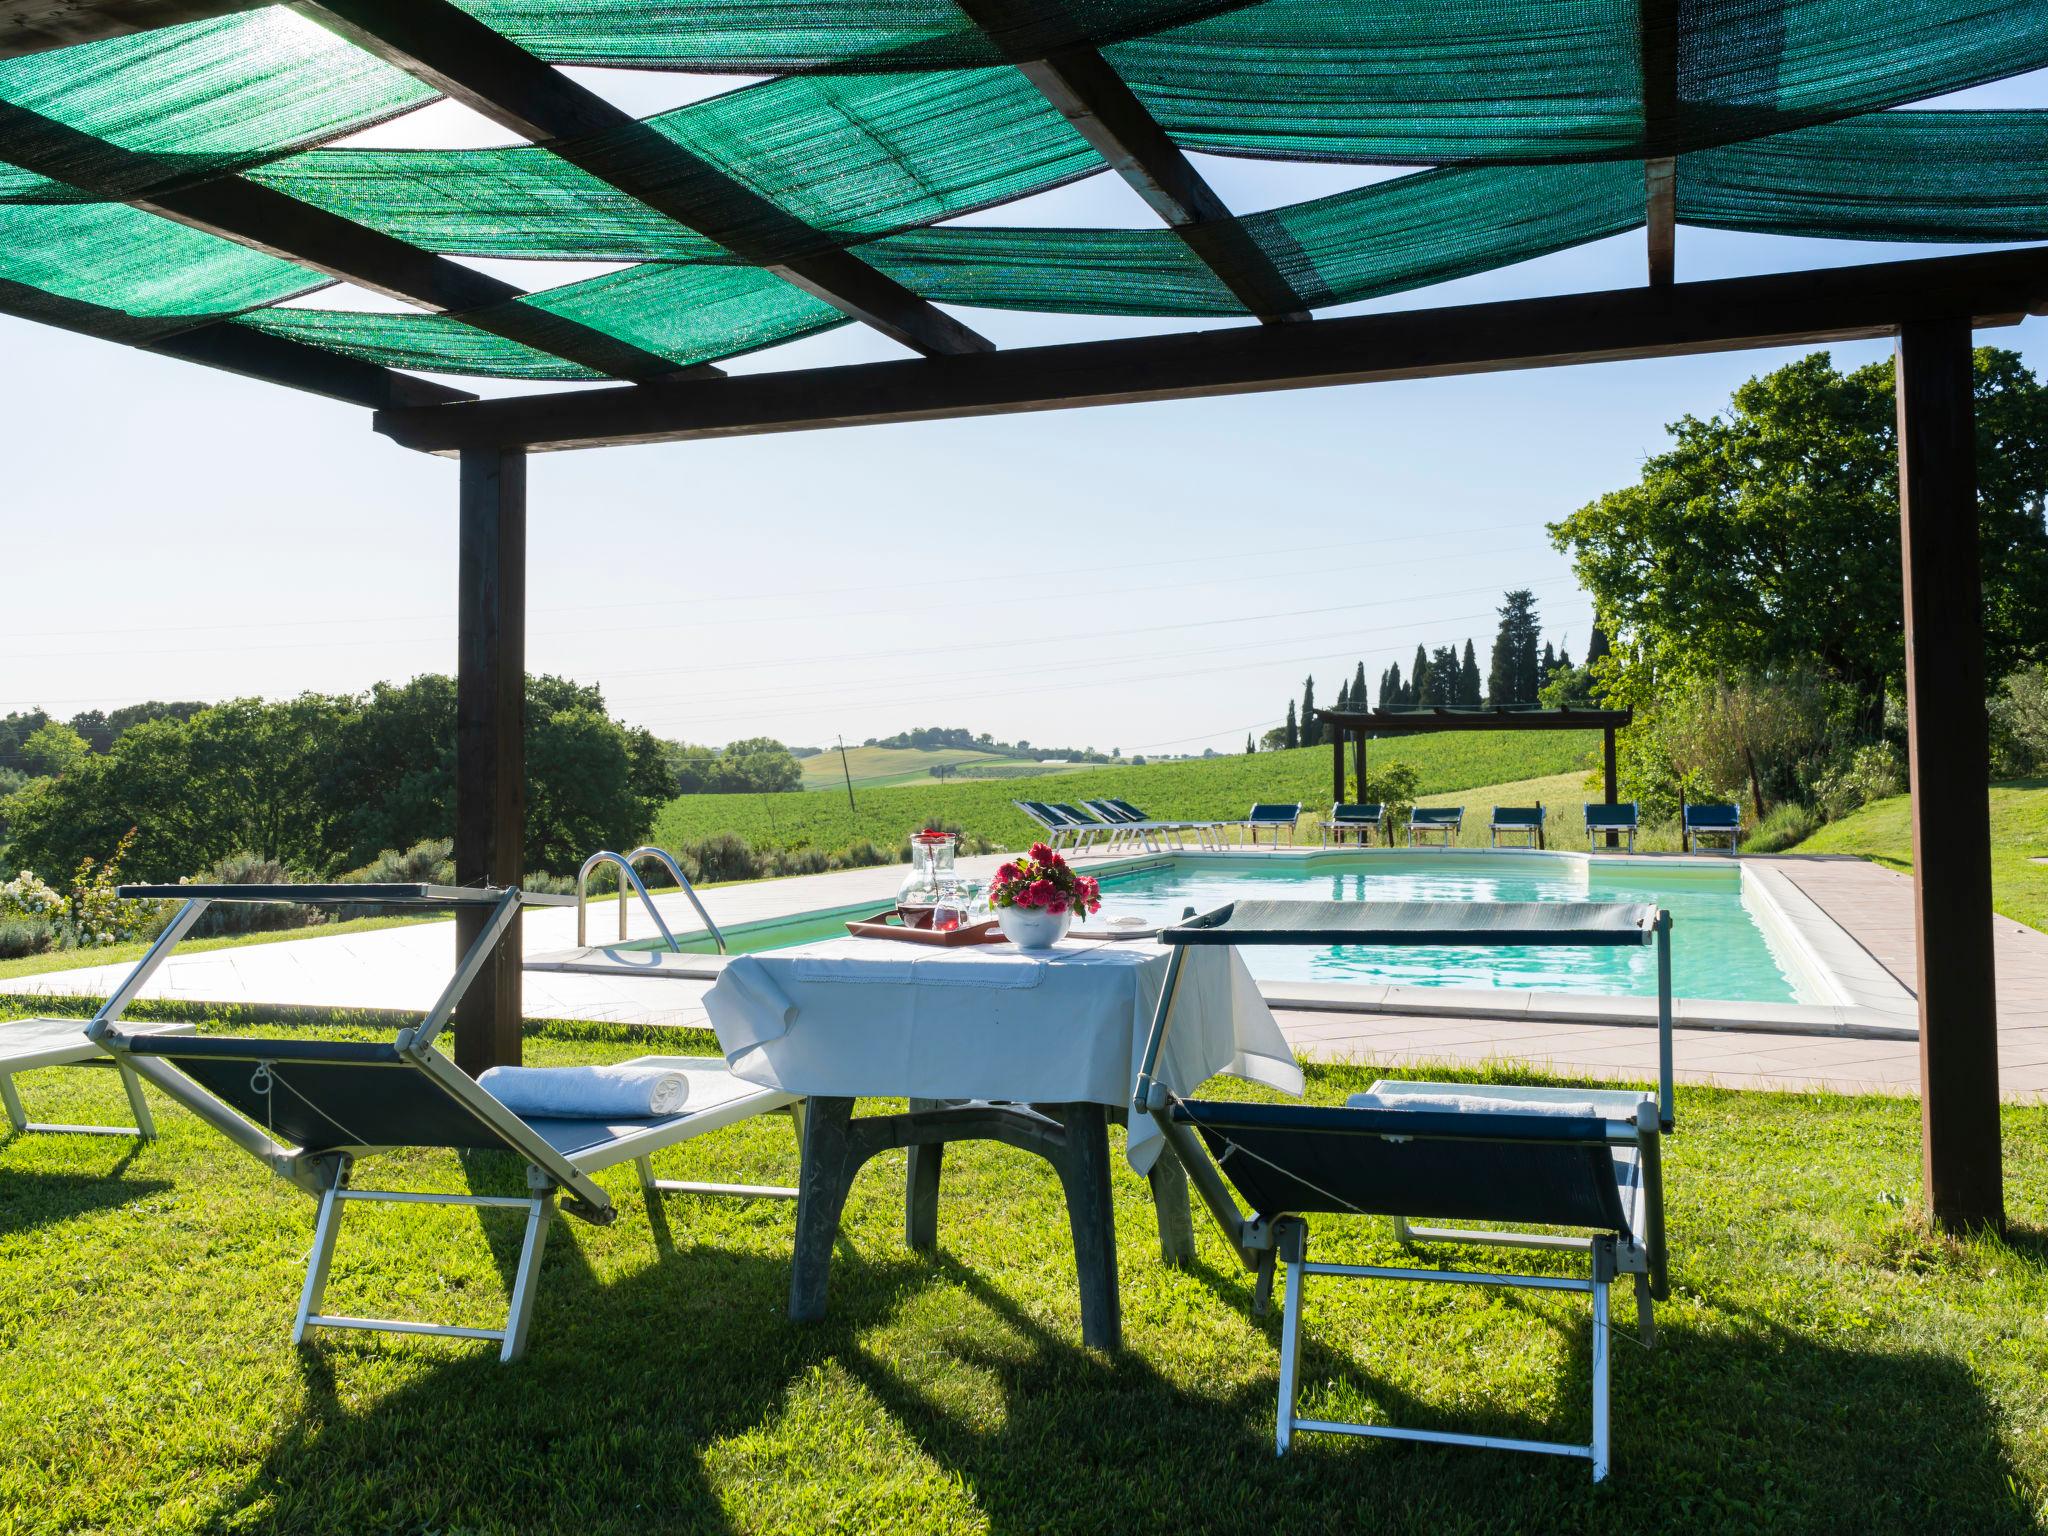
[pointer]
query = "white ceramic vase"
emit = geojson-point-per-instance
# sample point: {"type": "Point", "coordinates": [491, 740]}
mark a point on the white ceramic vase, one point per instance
{"type": "Point", "coordinates": [1034, 927]}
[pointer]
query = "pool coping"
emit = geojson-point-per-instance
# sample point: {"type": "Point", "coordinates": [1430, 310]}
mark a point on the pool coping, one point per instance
{"type": "Point", "coordinates": [1865, 1001]}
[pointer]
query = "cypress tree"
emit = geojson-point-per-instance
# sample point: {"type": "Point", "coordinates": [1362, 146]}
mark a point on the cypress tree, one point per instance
{"type": "Point", "coordinates": [1343, 697]}
{"type": "Point", "coordinates": [1360, 700]}
{"type": "Point", "coordinates": [1419, 681]}
{"type": "Point", "coordinates": [1444, 676]}
{"type": "Point", "coordinates": [1311, 728]}
{"type": "Point", "coordinates": [1468, 678]}
{"type": "Point", "coordinates": [1597, 646]}
{"type": "Point", "coordinates": [1249, 749]}
{"type": "Point", "coordinates": [1515, 674]}
{"type": "Point", "coordinates": [1292, 736]}
{"type": "Point", "coordinates": [1390, 687]}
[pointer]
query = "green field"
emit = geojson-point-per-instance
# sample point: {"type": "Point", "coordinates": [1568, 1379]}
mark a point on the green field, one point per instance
{"type": "Point", "coordinates": [876, 767]}
{"type": "Point", "coordinates": [1883, 832]}
{"type": "Point", "coordinates": [1824, 1364]}
{"type": "Point", "coordinates": [1216, 787]}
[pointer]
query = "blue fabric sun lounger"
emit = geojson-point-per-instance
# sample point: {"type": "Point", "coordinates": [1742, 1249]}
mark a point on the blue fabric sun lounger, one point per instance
{"type": "Point", "coordinates": [1444, 820]}
{"type": "Point", "coordinates": [1524, 819]}
{"type": "Point", "coordinates": [1587, 1161]}
{"type": "Point", "coordinates": [310, 1109]}
{"type": "Point", "coordinates": [1616, 820]}
{"type": "Point", "coordinates": [1361, 821]}
{"type": "Point", "coordinates": [1274, 816]}
{"type": "Point", "coordinates": [1716, 821]}
{"type": "Point", "coordinates": [1062, 828]}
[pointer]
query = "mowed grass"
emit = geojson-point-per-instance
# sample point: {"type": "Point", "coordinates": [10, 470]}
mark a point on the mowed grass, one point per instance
{"type": "Point", "coordinates": [1216, 787]}
{"type": "Point", "coordinates": [1824, 1364]}
{"type": "Point", "coordinates": [1883, 832]}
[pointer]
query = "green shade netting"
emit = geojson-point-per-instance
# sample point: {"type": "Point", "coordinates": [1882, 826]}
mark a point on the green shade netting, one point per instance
{"type": "Point", "coordinates": [764, 37]}
{"type": "Point", "coordinates": [1891, 176]}
{"type": "Point", "coordinates": [770, 166]}
{"type": "Point", "coordinates": [190, 101]}
{"type": "Point", "coordinates": [1426, 228]}
{"type": "Point", "coordinates": [149, 275]}
{"type": "Point", "coordinates": [683, 313]}
{"type": "Point", "coordinates": [1553, 79]}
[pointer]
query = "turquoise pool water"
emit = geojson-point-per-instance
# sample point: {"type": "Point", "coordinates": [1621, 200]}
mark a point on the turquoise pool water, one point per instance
{"type": "Point", "coordinates": [1718, 949]}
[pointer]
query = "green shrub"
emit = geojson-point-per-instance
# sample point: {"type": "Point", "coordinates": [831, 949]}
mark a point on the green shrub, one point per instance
{"type": "Point", "coordinates": [721, 856]}
{"type": "Point", "coordinates": [431, 862]}
{"type": "Point", "coordinates": [1870, 772]}
{"type": "Point", "coordinates": [1786, 825]}
{"type": "Point", "coordinates": [25, 936]}
{"type": "Point", "coordinates": [253, 917]}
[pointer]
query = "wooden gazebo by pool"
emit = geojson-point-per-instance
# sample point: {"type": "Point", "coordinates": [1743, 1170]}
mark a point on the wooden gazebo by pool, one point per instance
{"type": "Point", "coordinates": [164, 185]}
{"type": "Point", "coordinates": [1359, 725]}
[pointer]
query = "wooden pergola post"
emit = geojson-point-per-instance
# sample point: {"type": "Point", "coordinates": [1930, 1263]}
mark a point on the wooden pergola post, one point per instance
{"type": "Point", "coordinates": [1358, 761]}
{"type": "Point", "coordinates": [1612, 779]}
{"type": "Point", "coordinates": [1337, 762]}
{"type": "Point", "coordinates": [490, 739]}
{"type": "Point", "coordinates": [1948, 740]}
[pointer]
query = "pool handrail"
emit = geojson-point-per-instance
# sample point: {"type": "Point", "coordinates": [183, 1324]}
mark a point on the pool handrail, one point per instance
{"type": "Point", "coordinates": [625, 862]}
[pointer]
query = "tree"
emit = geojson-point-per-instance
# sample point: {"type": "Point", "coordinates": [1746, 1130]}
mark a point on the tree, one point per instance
{"type": "Point", "coordinates": [1311, 727]}
{"type": "Point", "coordinates": [1360, 699]}
{"type": "Point", "coordinates": [1276, 738]}
{"type": "Point", "coordinates": [1513, 676]}
{"type": "Point", "coordinates": [53, 749]}
{"type": "Point", "coordinates": [1249, 748]}
{"type": "Point", "coordinates": [1291, 732]}
{"type": "Point", "coordinates": [1343, 697]}
{"type": "Point", "coordinates": [1546, 666]}
{"type": "Point", "coordinates": [1392, 694]}
{"type": "Point", "coordinates": [1468, 678]}
{"type": "Point", "coordinates": [1767, 537]}
{"type": "Point", "coordinates": [1444, 675]}
{"type": "Point", "coordinates": [1417, 695]}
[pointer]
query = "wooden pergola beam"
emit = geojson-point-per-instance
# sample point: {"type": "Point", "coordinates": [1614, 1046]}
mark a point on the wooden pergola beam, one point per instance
{"type": "Point", "coordinates": [1730, 314]}
{"type": "Point", "coordinates": [1421, 722]}
{"type": "Point", "coordinates": [1658, 20]}
{"type": "Point", "coordinates": [235, 349]}
{"type": "Point", "coordinates": [487, 72]}
{"type": "Point", "coordinates": [1083, 87]}
{"type": "Point", "coordinates": [268, 221]}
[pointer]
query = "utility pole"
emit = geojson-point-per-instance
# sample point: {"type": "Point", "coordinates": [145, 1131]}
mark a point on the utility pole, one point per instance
{"type": "Point", "coordinates": [848, 772]}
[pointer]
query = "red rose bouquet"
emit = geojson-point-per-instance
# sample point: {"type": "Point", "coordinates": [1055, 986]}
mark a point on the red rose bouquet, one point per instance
{"type": "Point", "coordinates": [1045, 881]}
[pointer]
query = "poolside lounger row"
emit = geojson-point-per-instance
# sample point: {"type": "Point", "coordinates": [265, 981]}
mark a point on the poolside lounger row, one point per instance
{"type": "Point", "coordinates": [310, 1109]}
{"type": "Point", "coordinates": [1586, 1160]}
{"type": "Point", "coordinates": [1111, 824]}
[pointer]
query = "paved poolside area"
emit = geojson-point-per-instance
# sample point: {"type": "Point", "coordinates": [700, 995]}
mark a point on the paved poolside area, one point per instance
{"type": "Point", "coordinates": [405, 968]}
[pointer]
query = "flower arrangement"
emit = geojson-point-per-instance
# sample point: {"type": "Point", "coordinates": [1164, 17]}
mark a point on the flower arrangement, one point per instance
{"type": "Point", "coordinates": [1044, 881]}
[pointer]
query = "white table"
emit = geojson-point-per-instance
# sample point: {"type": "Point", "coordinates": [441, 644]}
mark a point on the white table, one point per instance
{"type": "Point", "coordinates": [26, 1044]}
{"type": "Point", "coordinates": [1036, 1050]}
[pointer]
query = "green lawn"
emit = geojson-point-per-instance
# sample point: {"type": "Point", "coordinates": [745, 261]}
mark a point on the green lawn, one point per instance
{"type": "Point", "coordinates": [1210, 787]}
{"type": "Point", "coordinates": [1824, 1365]}
{"type": "Point", "coordinates": [119, 954]}
{"type": "Point", "coordinates": [1883, 831]}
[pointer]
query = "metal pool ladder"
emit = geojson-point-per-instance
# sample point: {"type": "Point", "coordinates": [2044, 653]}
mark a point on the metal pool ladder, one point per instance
{"type": "Point", "coordinates": [626, 861]}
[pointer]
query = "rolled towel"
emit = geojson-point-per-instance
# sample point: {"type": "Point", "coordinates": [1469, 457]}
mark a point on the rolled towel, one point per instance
{"type": "Point", "coordinates": [1476, 1104]}
{"type": "Point", "coordinates": [587, 1093]}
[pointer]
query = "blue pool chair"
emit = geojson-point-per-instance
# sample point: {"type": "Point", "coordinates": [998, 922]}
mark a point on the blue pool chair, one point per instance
{"type": "Point", "coordinates": [1361, 821]}
{"type": "Point", "coordinates": [1715, 821]}
{"type": "Point", "coordinates": [1612, 821]}
{"type": "Point", "coordinates": [1444, 820]}
{"type": "Point", "coordinates": [1526, 820]}
{"type": "Point", "coordinates": [1585, 1160]}
{"type": "Point", "coordinates": [1274, 816]}
{"type": "Point", "coordinates": [310, 1109]}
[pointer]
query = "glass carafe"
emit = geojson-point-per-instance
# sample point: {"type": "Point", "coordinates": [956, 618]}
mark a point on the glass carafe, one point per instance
{"type": "Point", "coordinates": [932, 854]}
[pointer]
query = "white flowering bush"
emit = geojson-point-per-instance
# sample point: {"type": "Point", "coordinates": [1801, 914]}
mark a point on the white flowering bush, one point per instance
{"type": "Point", "coordinates": [29, 897]}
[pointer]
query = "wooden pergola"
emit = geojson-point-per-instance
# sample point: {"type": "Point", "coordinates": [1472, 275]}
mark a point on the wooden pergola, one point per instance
{"type": "Point", "coordinates": [1928, 307]}
{"type": "Point", "coordinates": [1359, 725]}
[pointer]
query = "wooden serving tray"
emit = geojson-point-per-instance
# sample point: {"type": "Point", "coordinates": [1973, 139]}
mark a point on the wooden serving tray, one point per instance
{"type": "Point", "coordinates": [890, 925]}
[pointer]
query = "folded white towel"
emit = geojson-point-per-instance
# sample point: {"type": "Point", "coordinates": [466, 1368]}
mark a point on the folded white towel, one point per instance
{"type": "Point", "coordinates": [587, 1093]}
{"type": "Point", "coordinates": [1476, 1103]}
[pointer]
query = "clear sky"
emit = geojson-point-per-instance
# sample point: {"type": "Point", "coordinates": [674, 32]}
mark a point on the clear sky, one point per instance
{"type": "Point", "coordinates": [1157, 578]}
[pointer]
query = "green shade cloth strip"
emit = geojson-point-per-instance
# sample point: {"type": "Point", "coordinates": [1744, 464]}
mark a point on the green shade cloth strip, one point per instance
{"type": "Point", "coordinates": [1554, 79]}
{"type": "Point", "coordinates": [849, 156]}
{"type": "Point", "coordinates": [763, 37]}
{"type": "Point", "coordinates": [186, 102]}
{"type": "Point", "coordinates": [686, 314]}
{"type": "Point", "coordinates": [158, 274]}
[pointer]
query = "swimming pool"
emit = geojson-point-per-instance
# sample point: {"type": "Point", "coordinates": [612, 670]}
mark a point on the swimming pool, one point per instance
{"type": "Point", "coordinates": [1724, 947]}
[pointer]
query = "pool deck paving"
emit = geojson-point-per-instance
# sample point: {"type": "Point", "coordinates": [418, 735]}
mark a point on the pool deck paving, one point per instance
{"type": "Point", "coordinates": [406, 967]}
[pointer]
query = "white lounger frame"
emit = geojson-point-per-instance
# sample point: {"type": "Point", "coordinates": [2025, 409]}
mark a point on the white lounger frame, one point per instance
{"type": "Point", "coordinates": [550, 1173]}
{"type": "Point", "coordinates": [76, 1052]}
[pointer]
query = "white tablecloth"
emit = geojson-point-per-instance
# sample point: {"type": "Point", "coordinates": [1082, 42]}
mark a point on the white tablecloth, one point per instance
{"type": "Point", "coordinates": [864, 1017]}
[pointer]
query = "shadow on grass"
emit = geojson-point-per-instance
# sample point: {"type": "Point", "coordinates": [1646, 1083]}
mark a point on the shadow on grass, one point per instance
{"type": "Point", "coordinates": [29, 1199]}
{"type": "Point", "coordinates": [1734, 1423]}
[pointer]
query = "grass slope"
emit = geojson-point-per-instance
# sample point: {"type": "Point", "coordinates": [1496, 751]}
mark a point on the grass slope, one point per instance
{"type": "Point", "coordinates": [883, 765]}
{"type": "Point", "coordinates": [1209, 787]}
{"type": "Point", "coordinates": [1883, 832]}
{"type": "Point", "coordinates": [1823, 1365]}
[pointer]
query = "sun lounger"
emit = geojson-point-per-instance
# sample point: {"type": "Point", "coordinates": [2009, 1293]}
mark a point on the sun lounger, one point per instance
{"type": "Point", "coordinates": [1274, 816]}
{"type": "Point", "coordinates": [29, 1044]}
{"type": "Point", "coordinates": [1061, 830]}
{"type": "Point", "coordinates": [1613, 821]}
{"type": "Point", "coordinates": [1715, 821]}
{"type": "Point", "coordinates": [1152, 831]}
{"type": "Point", "coordinates": [1526, 820]}
{"type": "Point", "coordinates": [1361, 821]}
{"type": "Point", "coordinates": [1446, 821]}
{"type": "Point", "coordinates": [1588, 1160]}
{"type": "Point", "coordinates": [310, 1109]}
